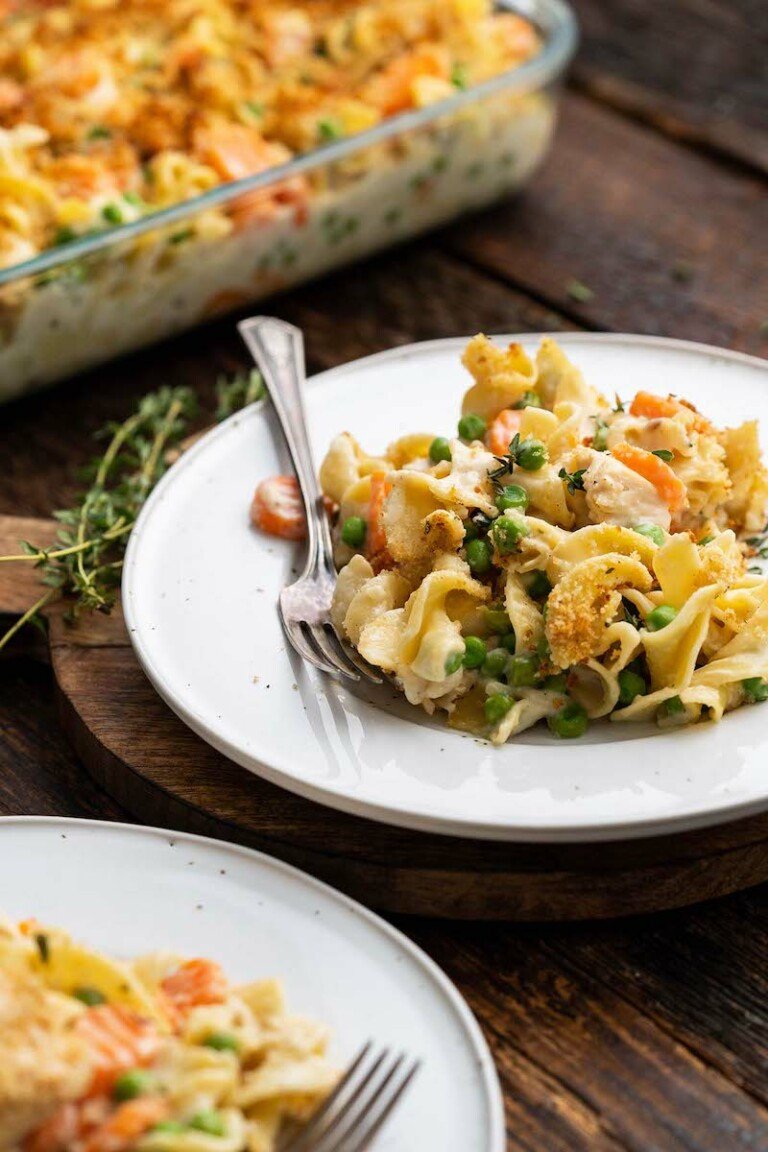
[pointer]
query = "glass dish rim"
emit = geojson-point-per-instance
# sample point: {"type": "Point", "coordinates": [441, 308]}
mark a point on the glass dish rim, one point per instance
{"type": "Point", "coordinates": [559, 46]}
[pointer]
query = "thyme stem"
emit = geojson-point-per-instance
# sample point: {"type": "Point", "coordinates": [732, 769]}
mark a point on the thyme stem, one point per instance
{"type": "Point", "coordinates": [28, 615]}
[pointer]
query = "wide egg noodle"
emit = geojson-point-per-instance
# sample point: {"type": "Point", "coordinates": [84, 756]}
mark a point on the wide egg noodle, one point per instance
{"type": "Point", "coordinates": [501, 377]}
{"type": "Point", "coordinates": [276, 1068]}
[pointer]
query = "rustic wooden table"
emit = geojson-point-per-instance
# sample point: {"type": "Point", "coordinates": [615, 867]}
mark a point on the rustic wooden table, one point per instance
{"type": "Point", "coordinates": [644, 1034]}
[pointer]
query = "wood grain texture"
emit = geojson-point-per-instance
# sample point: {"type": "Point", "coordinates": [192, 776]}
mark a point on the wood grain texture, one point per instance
{"type": "Point", "coordinates": [667, 242]}
{"type": "Point", "coordinates": [694, 69]}
{"type": "Point", "coordinates": [649, 1033]}
{"type": "Point", "coordinates": [637, 1086]}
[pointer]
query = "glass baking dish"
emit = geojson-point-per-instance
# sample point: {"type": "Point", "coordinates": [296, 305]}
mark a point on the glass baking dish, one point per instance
{"type": "Point", "coordinates": [75, 306]}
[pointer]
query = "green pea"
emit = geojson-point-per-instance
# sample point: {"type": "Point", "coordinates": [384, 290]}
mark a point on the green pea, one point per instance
{"type": "Point", "coordinates": [112, 214]}
{"type": "Point", "coordinates": [756, 689]}
{"type": "Point", "coordinates": [472, 427]}
{"type": "Point", "coordinates": [528, 400]}
{"type": "Point", "coordinates": [652, 531]}
{"type": "Point", "coordinates": [531, 455]}
{"type": "Point", "coordinates": [558, 683]}
{"type": "Point", "coordinates": [522, 670]}
{"type": "Point", "coordinates": [630, 686]}
{"type": "Point", "coordinates": [537, 585]}
{"type": "Point", "coordinates": [660, 617]}
{"type": "Point", "coordinates": [353, 531]}
{"type": "Point", "coordinates": [512, 496]}
{"type": "Point", "coordinates": [498, 621]}
{"type": "Point", "coordinates": [222, 1042]}
{"type": "Point", "coordinates": [470, 531]}
{"type": "Point", "coordinates": [570, 722]}
{"type": "Point", "coordinates": [479, 553]}
{"type": "Point", "coordinates": [475, 652]}
{"type": "Point", "coordinates": [131, 1084]}
{"type": "Point", "coordinates": [209, 1122]}
{"type": "Point", "coordinates": [496, 707]}
{"type": "Point", "coordinates": [705, 540]}
{"type": "Point", "coordinates": [440, 449]}
{"type": "Point", "coordinates": [495, 663]}
{"type": "Point", "coordinates": [509, 642]}
{"type": "Point", "coordinates": [89, 996]}
{"type": "Point", "coordinates": [507, 534]}
{"type": "Point", "coordinates": [454, 662]}
{"type": "Point", "coordinates": [671, 707]}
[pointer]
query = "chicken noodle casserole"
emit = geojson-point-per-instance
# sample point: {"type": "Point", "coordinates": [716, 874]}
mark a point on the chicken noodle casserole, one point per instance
{"type": "Point", "coordinates": [160, 1054]}
{"type": "Point", "coordinates": [565, 557]}
{"type": "Point", "coordinates": [110, 111]}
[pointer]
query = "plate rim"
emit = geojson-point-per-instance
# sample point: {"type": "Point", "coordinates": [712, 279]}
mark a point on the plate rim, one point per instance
{"type": "Point", "coordinates": [596, 831]}
{"type": "Point", "coordinates": [481, 1052]}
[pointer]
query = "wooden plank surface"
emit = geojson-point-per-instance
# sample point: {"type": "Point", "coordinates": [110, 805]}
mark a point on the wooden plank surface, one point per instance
{"type": "Point", "coordinates": [666, 241]}
{"type": "Point", "coordinates": [648, 1034]}
{"type": "Point", "coordinates": [695, 69]}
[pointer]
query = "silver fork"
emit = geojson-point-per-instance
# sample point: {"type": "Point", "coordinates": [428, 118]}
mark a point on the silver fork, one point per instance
{"type": "Point", "coordinates": [359, 1105]}
{"type": "Point", "coordinates": [304, 606]}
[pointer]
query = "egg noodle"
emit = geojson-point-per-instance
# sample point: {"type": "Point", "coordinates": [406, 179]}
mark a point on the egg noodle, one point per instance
{"type": "Point", "coordinates": [110, 109]}
{"type": "Point", "coordinates": [566, 557]}
{"type": "Point", "coordinates": [158, 1054]}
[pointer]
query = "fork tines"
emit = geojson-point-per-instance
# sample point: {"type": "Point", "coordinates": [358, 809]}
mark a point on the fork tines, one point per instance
{"type": "Point", "coordinates": [359, 1105]}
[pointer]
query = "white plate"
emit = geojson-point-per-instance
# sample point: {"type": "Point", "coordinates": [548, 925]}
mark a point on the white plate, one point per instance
{"type": "Point", "coordinates": [130, 890]}
{"type": "Point", "coordinates": [199, 596]}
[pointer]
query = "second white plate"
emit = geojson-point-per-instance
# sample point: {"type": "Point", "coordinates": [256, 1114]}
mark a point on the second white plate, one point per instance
{"type": "Point", "coordinates": [199, 595]}
{"type": "Point", "coordinates": [130, 890]}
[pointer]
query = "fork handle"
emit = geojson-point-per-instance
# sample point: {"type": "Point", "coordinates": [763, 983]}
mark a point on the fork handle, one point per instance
{"type": "Point", "coordinates": [278, 349]}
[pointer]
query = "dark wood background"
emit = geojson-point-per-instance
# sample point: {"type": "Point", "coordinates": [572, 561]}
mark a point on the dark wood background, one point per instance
{"type": "Point", "coordinates": [650, 1034]}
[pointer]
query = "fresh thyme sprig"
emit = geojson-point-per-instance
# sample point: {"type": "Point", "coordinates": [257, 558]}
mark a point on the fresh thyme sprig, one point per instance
{"type": "Point", "coordinates": [85, 561]}
{"type": "Point", "coordinates": [238, 391]}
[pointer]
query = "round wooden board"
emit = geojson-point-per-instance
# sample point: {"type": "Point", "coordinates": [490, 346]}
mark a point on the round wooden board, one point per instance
{"type": "Point", "coordinates": [143, 755]}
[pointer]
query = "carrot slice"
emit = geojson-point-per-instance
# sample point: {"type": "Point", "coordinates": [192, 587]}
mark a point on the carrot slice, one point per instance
{"type": "Point", "coordinates": [277, 508]}
{"type": "Point", "coordinates": [669, 486]}
{"type": "Point", "coordinates": [502, 430]}
{"type": "Point", "coordinates": [236, 151]}
{"type": "Point", "coordinates": [117, 1039]}
{"type": "Point", "coordinates": [376, 540]}
{"type": "Point", "coordinates": [392, 89]}
{"type": "Point", "coordinates": [127, 1123]}
{"type": "Point", "coordinates": [194, 982]}
{"type": "Point", "coordinates": [654, 407]}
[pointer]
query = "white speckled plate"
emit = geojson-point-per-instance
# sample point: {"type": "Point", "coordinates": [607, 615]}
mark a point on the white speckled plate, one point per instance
{"type": "Point", "coordinates": [199, 596]}
{"type": "Point", "coordinates": [130, 890]}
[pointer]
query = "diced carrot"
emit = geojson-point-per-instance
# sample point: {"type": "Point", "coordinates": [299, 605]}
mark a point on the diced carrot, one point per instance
{"type": "Point", "coordinates": [11, 94]}
{"type": "Point", "coordinates": [669, 486]}
{"type": "Point", "coordinates": [277, 508]}
{"type": "Point", "coordinates": [392, 89]}
{"type": "Point", "coordinates": [502, 430]}
{"type": "Point", "coordinates": [654, 407]}
{"type": "Point", "coordinates": [117, 1039]}
{"type": "Point", "coordinates": [515, 33]}
{"type": "Point", "coordinates": [127, 1123]}
{"type": "Point", "coordinates": [236, 151]}
{"type": "Point", "coordinates": [193, 983]}
{"type": "Point", "coordinates": [376, 540]}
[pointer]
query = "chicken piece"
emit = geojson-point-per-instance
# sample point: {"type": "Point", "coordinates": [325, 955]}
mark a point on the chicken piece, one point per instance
{"type": "Point", "coordinates": [43, 1064]}
{"type": "Point", "coordinates": [615, 494]}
